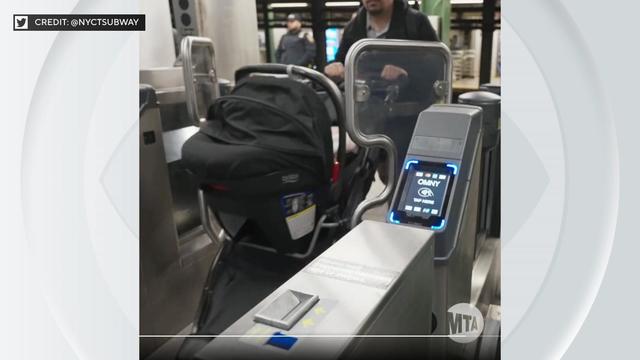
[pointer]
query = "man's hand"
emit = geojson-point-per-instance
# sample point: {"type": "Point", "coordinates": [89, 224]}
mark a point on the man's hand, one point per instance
{"type": "Point", "coordinates": [335, 71]}
{"type": "Point", "coordinates": [392, 73]}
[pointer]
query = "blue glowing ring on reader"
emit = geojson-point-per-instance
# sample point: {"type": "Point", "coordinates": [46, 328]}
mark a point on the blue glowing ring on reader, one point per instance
{"type": "Point", "coordinates": [392, 218]}
{"type": "Point", "coordinates": [439, 227]}
{"type": "Point", "coordinates": [408, 163]}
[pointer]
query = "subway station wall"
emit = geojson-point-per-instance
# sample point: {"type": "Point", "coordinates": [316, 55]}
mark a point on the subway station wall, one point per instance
{"type": "Point", "coordinates": [233, 28]}
{"type": "Point", "coordinates": [156, 43]}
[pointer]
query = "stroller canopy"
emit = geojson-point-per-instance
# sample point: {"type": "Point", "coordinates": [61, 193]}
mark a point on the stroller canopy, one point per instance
{"type": "Point", "coordinates": [265, 125]}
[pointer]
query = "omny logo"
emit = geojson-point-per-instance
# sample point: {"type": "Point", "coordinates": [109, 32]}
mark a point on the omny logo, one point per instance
{"type": "Point", "coordinates": [464, 323]}
{"type": "Point", "coordinates": [20, 22]}
{"type": "Point", "coordinates": [429, 182]}
{"type": "Point", "coordinates": [425, 192]}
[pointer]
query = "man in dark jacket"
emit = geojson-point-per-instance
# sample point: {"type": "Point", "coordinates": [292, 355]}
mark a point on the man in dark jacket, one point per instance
{"type": "Point", "coordinates": [296, 47]}
{"type": "Point", "coordinates": [384, 19]}
{"type": "Point", "coordinates": [389, 19]}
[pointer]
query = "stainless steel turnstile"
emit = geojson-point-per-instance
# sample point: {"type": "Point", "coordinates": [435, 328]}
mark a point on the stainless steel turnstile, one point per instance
{"type": "Point", "coordinates": [175, 252]}
{"type": "Point", "coordinates": [374, 281]}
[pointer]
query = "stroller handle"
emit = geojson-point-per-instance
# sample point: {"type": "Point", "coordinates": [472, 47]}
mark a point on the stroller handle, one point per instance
{"type": "Point", "coordinates": [329, 86]}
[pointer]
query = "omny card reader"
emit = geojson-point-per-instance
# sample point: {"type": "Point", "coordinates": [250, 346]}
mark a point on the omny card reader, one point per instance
{"type": "Point", "coordinates": [434, 183]}
{"type": "Point", "coordinates": [376, 280]}
{"type": "Point", "coordinates": [438, 190]}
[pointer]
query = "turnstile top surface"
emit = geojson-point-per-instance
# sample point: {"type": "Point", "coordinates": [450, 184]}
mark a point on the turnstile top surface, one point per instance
{"type": "Point", "coordinates": [352, 279]}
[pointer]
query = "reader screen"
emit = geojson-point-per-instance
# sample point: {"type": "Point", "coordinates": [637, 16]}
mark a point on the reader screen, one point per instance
{"type": "Point", "coordinates": [424, 192]}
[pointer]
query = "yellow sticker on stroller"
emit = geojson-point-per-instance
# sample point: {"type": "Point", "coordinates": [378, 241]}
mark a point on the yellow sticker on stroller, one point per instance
{"type": "Point", "coordinates": [302, 222]}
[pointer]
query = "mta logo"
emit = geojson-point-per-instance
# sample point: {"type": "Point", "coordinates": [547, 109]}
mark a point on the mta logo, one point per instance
{"type": "Point", "coordinates": [456, 322]}
{"type": "Point", "coordinates": [464, 323]}
{"type": "Point", "coordinates": [20, 22]}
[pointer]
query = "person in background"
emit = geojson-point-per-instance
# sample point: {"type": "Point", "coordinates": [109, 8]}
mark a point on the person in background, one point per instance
{"type": "Point", "coordinates": [388, 19]}
{"type": "Point", "coordinates": [296, 46]}
{"type": "Point", "coordinates": [383, 19]}
{"type": "Point", "coordinates": [454, 43]}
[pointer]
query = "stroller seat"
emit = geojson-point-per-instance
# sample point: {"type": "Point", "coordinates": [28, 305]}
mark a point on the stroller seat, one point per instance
{"type": "Point", "coordinates": [265, 154]}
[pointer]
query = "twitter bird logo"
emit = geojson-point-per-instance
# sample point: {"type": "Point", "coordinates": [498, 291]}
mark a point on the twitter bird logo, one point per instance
{"type": "Point", "coordinates": [21, 22]}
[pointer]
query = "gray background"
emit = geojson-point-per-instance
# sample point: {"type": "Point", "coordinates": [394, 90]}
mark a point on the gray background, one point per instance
{"type": "Point", "coordinates": [69, 184]}
{"type": "Point", "coordinates": [584, 54]}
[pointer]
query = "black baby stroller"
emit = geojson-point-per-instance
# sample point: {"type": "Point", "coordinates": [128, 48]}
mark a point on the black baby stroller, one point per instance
{"type": "Point", "coordinates": [270, 185]}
